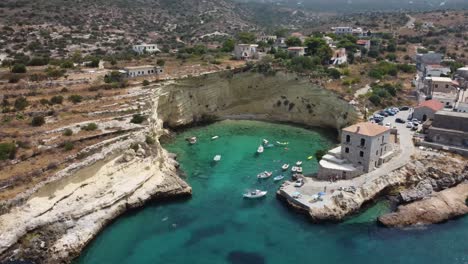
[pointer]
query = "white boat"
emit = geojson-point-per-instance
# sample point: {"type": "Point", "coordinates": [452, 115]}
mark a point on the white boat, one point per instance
{"type": "Point", "coordinates": [255, 194]}
{"type": "Point", "coordinates": [192, 140]}
{"type": "Point", "coordinates": [299, 169]}
{"type": "Point", "coordinates": [282, 143]}
{"type": "Point", "coordinates": [260, 149]}
{"type": "Point", "coordinates": [214, 137]}
{"type": "Point", "coordinates": [299, 163]}
{"type": "Point", "coordinates": [217, 158]}
{"type": "Point", "coordinates": [265, 142]}
{"type": "Point", "coordinates": [285, 166]}
{"type": "Point", "coordinates": [264, 175]}
{"type": "Point", "coordinates": [294, 169]}
{"type": "Point", "coordinates": [278, 178]}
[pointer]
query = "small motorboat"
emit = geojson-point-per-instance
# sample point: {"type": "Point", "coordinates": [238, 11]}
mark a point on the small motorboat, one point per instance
{"type": "Point", "coordinates": [269, 145]}
{"type": "Point", "coordinates": [285, 166]}
{"type": "Point", "coordinates": [265, 142]}
{"type": "Point", "coordinates": [260, 149]}
{"type": "Point", "coordinates": [264, 175]}
{"type": "Point", "coordinates": [214, 137]}
{"type": "Point", "coordinates": [278, 178]}
{"type": "Point", "coordinates": [294, 169]}
{"type": "Point", "coordinates": [217, 158]}
{"type": "Point", "coordinates": [299, 169]}
{"type": "Point", "coordinates": [255, 194]}
{"type": "Point", "coordinates": [310, 157]}
{"type": "Point", "coordinates": [299, 183]}
{"type": "Point", "coordinates": [299, 163]}
{"type": "Point", "coordinates": [192, 140]}
{"type": "Point", "coordinates": [282, 143]}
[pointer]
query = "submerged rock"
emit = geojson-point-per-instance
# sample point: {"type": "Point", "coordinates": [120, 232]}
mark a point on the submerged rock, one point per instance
{"type": "Point", "coordinates": [440, 207]}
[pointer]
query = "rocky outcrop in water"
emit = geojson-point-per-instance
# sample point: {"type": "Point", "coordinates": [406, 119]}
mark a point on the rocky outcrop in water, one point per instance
{"type": "Point", "coordinates": [439, 207]}
{"type": "Point", "coordinates": [282, 97]}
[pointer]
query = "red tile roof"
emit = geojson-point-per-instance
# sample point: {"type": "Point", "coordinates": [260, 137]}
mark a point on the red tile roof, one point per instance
{"type": "Point", "coordinates": [361, 42]}
{"type": "Point", "coordinates": [366, 129]}
{"type": "Point", "coordinates": [432, 104]}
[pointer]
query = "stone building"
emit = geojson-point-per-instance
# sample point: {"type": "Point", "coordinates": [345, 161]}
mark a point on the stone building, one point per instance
{"type": "Point", "coordinates": [430, 58]}
{"type": "Point", "coordinates": [148, 48]}
{"type": "Point", "coordinates": [143, 70]}
{"type": "Point", "coordinates": [296, 51]}
{"type": "Point", "coordinates": [440, 85]}
{"type": "Point", "coordinates": [364, 147]}
{"type": "Point", "coordinates": [246, 51]}
{"type": "Point", "coordinates": [427, 109]}
{"type": "Point", "coordinates": [449, 128]}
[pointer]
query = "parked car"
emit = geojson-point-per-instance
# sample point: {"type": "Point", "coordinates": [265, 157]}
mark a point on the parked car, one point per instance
{"type": "Point", "coordinates": [299, 183]}
{"type": "Point", "coordinates": [390, 112]}
{"type": "Point", "coordinates": [415, 127]}
{"type": "Point", "coordinates": [389, 125]}
{"type": "Point", "coordinates": [415, 121]}
{"type": "Point", "coordinates": [383, 113]}
{"type": "Point", "coordinates": [409, 125]}
{"type": "Point", "coordinates": [399, 120]}
{"type": "Point", "coordinates": [395, 109]}
{"type": "Point", "coordinates": [404, 108]}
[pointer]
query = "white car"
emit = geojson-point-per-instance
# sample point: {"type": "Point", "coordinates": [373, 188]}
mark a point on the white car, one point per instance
{"type": "Point", "coordinates": [299, 183]}
{"type": "Point", "coordinates": [409, 125]}
{"type": "Point", "coordinates": [389, 125]}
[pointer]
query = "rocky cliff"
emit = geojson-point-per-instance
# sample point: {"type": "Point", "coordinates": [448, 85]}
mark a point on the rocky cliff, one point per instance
{"type": "Point", "coordinates": [437, 208]}
{"type": "Point", "coordinates": [282, 97]}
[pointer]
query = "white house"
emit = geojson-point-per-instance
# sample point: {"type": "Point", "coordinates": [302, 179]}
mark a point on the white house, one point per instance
{"type": "Point", "coordinates": [339, 57]}
{"type": "Point", "coordinates": [148, 48]}
{"type": "Point", "coordinates": [136, 71]}
{"type": "Point", "coordinates": [343, 30]}
{"type": "Point", "coordinates": [246, 51]}
{"type": "Point", "coordinates": [436, 71]}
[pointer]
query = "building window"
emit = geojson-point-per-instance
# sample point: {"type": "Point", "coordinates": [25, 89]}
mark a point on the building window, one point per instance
{"type": "Point", "coordinates": [436, 86]}
{"type": "Point", "coordinates": [348, 138]}
{"type": "Point", "coordinates": [383, 137]}
{"type": "Point", "coordinates": [346, 150]}
{"type": "Point", "coordinates": [361, 153]}
{"type": "Point", "coordinates": [377, 152]}
{"type": "Point", "coordinates": [363, 142]}
{"type": "Point", "coordinates": [447, 86]}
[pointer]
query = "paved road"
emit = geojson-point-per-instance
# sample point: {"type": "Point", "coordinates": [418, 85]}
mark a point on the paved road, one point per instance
{"type": "Point", "coordinates": [410, 23]}
{"type": "Point", "coordinates": [312, 187]}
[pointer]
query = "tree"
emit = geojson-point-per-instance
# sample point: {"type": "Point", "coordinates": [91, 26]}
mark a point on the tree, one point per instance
{"type": "Point", "coordinates": [320, 153]}
{"type": "Point", "coordinates": [21, 103]}
{"type": "Point", "coordinates": [137, 119]}
{"type": "Point", "coordinates": [293, 42]}
{"type": "Point", "coordinates": [18, 68]}
{"type": "Point", "coordinates": [145, 83]}
{"type": "Point", "coordinates": [246, 37]}
{"type": "Point", "coordinates": [334, 73]}
{"type": "Point", "coordinates": [228, 45]}
{"type": "Point", "coordinates": [319, 48]}
{"type": "Point", "coordinates": [58, 99]}
{"type": "Point", "coordinates": [375, 99]}
{"type": "Point", "coordinates": [37, 121]}
{"type": "Point", "coordinates": [7, 151]}
{"type": "Point", "coordinates": [74, 98]}
{"type": "Point", "coordinates": [90, 127]}
{"type": "Point", "coordinates": [67, 132]}
{"type": "Point", "coordinates": [160, 62]}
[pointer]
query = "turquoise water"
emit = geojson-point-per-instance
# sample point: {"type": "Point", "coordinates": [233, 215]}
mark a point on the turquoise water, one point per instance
{"type": "Point", "coordinates": [218, 226]}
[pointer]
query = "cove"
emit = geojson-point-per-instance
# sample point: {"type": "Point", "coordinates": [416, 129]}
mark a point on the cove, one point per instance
{"type": "Point", "coordinates": [218, 226]}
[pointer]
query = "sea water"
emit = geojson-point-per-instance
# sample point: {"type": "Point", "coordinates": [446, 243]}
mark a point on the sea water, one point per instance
{"type": "Point", "coordinates": [217, 225]}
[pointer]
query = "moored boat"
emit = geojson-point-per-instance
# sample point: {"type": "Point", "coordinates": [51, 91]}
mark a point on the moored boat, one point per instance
{"type": "Point", "coordinates": [265, 142]}
{"type": "Point", "coordinates": [285, 166]}
{"type": "Point", "coordinates": [299, 169]}
{"type": "Point", "coordinates": [214, 137]}
{"type": "Point", "coordinates": [264, 175]}
{"type": "Point", "coordinates": [294, 169]}
{"type": "Point", "coordinates": [217, 158]}
{"type": "Point", "coordinates": [310, 157]}
{"type": "Point", "coordinates": [260, 149]}
{"type": "Point", "coordinates": [192, 140]}
{"type": "Point", "coordinates": [255, 194]}
{"type": "Point", "coordinates": [282, 143]}
{"type": "Point", "coordinates": [299, 163]}
{"type": "Point", "coordinates": [278, 178]}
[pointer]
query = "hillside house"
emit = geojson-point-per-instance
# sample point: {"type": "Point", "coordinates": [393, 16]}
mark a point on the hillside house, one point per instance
{"type": "Point", "coordinates": [145, 48]}
{"type": "Point", "coordinates": [296, 51]}
{"type": "Point", "coordinates": [439, 84]}
{"type": "Point", "coordinates": [365, 43]}
{"type": "Point", "coordinates": [364, 147]}
{"type": "Point", "coordinates": [246, 52]}
{"type": "Point", "coordinates": [436, 71]}
{"type": "Point", "coordinates": [339, 57]}
{"type": "Point", "coordinates": [144, 70]}
{"type": "Point", "coordinates": [427, 109]}
{"type": "Point", "coordinates": [430, 58]}
{"type": "Point", "coordinates": [449, 128]}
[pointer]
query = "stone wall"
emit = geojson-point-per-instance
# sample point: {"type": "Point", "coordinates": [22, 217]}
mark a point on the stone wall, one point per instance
{"type": "Point", "coordinates": [283, 97]}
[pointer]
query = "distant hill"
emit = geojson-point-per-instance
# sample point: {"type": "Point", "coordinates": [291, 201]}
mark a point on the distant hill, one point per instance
{"type": "Point", "coordinates": [366, 5]}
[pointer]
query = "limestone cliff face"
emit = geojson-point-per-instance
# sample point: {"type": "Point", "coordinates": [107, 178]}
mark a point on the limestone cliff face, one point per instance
{"type": "Point", "coordinates": [283, 97]}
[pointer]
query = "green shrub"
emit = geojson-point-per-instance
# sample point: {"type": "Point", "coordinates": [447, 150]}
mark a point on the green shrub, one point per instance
{"type": "Point", "coordinates": [7, 151]}
{"type": "Point", "coordinates": [44, 102]}
{"type": "Point", "coordinates": [18, 68]}
{"type": "Point", "coordinates": [74, 98]}
{"type": "Point", "coordinates": [90, 127]}
{"type": "Point", "coordinates": [37, 121]}
{"type": "Point", "coordinates": [320, 153]}
{"type": "Point", "coordinates": [68, 146]}
{"type": "Point", "coordinates": [375, 99]}
{"type": "Point", "coordinates": [334, 73]}
{"type": "Point", "coordinates": [146, 83]}
{"type": "Point", "coordinates": [67, 132]}
{"type": "Point", "coordinates": [137, 119]}
{"type": "Point", "coordinates": [58, 99]}
{"type": "Point", "coordinates": [21, 103]}
{"type": "Point", "coordinates": [150, 140]}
